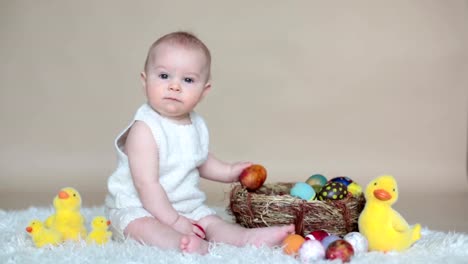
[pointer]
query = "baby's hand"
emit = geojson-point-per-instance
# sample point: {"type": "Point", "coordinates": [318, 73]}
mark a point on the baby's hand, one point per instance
{"type": "Point", "coordinates": [185, 226]}
{"type": "Point", "coordinates": [237, 168]}
{"type": "Point", "coordinates": [199, 231]}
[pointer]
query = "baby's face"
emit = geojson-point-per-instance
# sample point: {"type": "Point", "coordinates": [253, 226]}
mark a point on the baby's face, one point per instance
{"type": "Point", "coordinates": [176, 80]}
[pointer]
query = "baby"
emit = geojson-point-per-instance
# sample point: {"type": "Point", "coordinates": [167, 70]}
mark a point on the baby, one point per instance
{"type": "Point", "coordinates": [153, 194]}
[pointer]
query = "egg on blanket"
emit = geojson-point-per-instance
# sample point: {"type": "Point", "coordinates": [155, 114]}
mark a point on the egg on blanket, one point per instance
{"type": "Point", "coordinates": [317, 235]}
{"type": "Point", "coordinates": [340, 249]}
{"type": "Point", "coordinates": [311, 250]}
{"type": "Point", "coordinates": [292, 243]}
{"type": "Point", "coordinates": [303, 191]}
{"type": "Point", "coordinates": [333, 191]}
{"type": "Point", "coordinates": [329, 239]}
{"type": "Point", "coordinates": [358, 241]}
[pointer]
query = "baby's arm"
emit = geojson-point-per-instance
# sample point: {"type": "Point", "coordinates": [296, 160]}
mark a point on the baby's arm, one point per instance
{"type": "Point", "coordinates": [142, 153]}
{"type": "Point", "coordinates": [217, 170]}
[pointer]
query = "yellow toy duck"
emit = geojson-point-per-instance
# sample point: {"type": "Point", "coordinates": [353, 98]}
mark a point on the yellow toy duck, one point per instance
{"type": "Point", "coordinates": [99, 233]}
{"type": "Point", "coordinates": [384, 228]}
{"type": "Point", "coordinates": [41, 235]}
{"type": "Point", "coordinates": [68, 219]}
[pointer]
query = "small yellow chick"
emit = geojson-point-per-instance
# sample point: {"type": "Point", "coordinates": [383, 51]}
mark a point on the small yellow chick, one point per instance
{"type": "Point", "coordinates": [41, 235]}
{"type": "Point", "coordinates": [99, 233]}
{"type": "Point", "coordinates": [384, 228]}
{"type": "Point", "coordinates": [68, 219]}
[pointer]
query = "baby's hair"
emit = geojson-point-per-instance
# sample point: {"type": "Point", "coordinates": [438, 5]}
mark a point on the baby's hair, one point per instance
{"type": "Point", "coordinates": [183, 38]}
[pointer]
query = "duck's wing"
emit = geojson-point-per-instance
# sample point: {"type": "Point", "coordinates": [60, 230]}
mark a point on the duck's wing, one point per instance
{"type": "Point", "coordinates": [398, 222]}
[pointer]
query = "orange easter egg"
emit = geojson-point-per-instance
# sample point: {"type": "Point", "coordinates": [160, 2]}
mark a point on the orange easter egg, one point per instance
{"type": "Point", "coordinates": [292, 244]}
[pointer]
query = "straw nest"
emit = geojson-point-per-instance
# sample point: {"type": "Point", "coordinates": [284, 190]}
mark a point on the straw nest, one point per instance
{"type": "Point", "coordinates": [272, 205]}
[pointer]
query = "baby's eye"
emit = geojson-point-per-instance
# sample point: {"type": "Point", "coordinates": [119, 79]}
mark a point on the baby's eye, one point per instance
{"type": "Point", "coordinates": [163, 76]}
{"type": "Point", "coordinates": [188, 80]}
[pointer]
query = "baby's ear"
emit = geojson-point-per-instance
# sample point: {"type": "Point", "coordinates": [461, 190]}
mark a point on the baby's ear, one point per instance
{"type": "Point", "coordinates": [143, 78]}
{"type": "Point", "coordinates": [143, 81]}
{"type": "Point", "coordinates": [206, 89]}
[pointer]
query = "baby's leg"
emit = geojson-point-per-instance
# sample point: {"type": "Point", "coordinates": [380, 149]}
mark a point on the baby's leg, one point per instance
{"type": "Point", "coordinates": [220, 231]}
{"type": "Point", "coordinates": [149, 231]}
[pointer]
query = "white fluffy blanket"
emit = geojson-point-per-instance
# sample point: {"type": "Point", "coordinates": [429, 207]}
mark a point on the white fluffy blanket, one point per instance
{"type": "Point", "coordinates": [17, 247]}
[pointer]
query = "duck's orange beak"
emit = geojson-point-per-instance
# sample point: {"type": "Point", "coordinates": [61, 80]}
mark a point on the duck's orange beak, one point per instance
{"type": "Point", "coordinates": [382, 195]}
{"type": "Point", "coordinates": [108, 222]}
{"type": "Point", "coordinates": [29, 229]}
{"type": "Point", "coordinates": [63, 195]}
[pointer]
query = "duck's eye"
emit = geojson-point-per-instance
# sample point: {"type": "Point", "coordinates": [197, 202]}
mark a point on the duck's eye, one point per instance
{"type": "Point", "coordinates": [375, 183]}
{"type": "Point", "coordinates": [74, 195]}
{"type": "Point", "coordinates": [394, 190]}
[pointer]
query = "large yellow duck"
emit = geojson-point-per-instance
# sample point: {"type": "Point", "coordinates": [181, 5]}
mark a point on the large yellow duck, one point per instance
{"type": "Point", "coordinates": [41, 235]}
{"type": "Point", "coordinates": [384, 228]}
{"type": "Point", "coordinates": [99, 234]}
{"type": "Point", "coordinates": [68, 219]}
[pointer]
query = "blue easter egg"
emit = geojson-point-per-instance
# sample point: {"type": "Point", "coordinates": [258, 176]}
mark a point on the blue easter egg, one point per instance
{"type": "Point", "coordinates": [342, 179]}
{"type": "Point", "coordinates": [302, 190]}
{"type": "Point", "coordinates": [329, 239]}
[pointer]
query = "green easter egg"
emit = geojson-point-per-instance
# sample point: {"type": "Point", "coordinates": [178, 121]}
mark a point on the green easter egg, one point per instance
{"type": "Point", "coordinates": [317, 179]}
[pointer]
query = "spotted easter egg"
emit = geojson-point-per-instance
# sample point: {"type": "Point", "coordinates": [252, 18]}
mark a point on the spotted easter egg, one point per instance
{"type": "Point", "coordinates": [342, 179]}
{"type": "Point", "coordinates": [333, 191]}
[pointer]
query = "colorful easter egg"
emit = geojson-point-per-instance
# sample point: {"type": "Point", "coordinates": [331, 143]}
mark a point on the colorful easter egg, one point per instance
{"type": "Point", "coordinates": [303, 191]}
{"type": "Point", "coordinates": [292, 243]}
{"type": "Point", "coordinates": [311, 250]}
{"type": "Point", "coordinates": [342, 179]}
{"type": "Point", "coordinates": [329, 239]}
{"type": "Point", "coordinates": [355, 189]}
{"type": "Point", "coordinates": [317, 235]}
{"type": "Point", "coordinates": [340, 249]}
{"type": "Point", "coordinates": [333, 191]}
{"type": "Point", "coordinates": [317, 180]}
{"type": "Point", "coordinates": [358, 241]}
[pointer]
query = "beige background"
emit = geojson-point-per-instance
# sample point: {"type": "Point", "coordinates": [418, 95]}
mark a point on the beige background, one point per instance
{"type": "Point", "coordinates": [356, 88]}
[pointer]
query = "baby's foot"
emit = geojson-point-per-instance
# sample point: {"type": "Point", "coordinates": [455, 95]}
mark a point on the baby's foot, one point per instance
{"type": "Point", "coordinates": [269, 236]}
{"type": "Point", "coordinates": [193, 244]}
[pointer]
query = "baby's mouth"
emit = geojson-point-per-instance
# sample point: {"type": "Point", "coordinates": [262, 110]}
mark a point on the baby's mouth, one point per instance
{"type": "Point", "coordinates": [172, 99]}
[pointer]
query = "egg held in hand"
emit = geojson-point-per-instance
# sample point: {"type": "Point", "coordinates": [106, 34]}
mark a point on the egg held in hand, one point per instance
{"type": "Point", "coordinates": [253, 177]}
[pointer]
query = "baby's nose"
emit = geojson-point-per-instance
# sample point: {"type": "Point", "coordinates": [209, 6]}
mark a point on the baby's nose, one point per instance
{"type": "Point", "coordinates": [174, 86]}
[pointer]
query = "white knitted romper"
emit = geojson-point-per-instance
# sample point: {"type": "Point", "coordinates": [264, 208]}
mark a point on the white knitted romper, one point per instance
{"type": "Point", "coordinates": [181, 148]}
